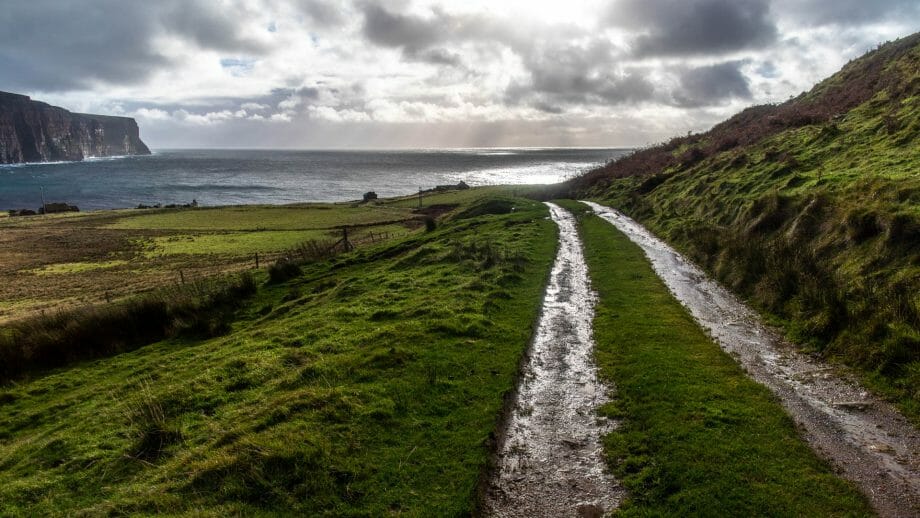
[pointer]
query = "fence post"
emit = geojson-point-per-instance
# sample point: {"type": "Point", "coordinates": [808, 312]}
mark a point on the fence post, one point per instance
{"type": "Point", "coordinates": [257, 260]}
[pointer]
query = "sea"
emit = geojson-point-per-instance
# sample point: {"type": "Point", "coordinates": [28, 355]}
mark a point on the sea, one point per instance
{"type": "Point", "coordinates": [230, 177]}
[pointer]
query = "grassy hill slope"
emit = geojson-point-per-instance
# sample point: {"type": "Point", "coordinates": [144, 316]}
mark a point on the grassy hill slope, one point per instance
{"type": "Point", "coordinates": [368, 385]}
{"type": "Point", "coordinates": [810, 209]}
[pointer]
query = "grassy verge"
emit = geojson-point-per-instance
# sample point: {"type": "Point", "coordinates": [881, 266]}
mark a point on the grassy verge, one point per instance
{"type": "Point", "coordinates": [697, 436]}
{"type": "Point", "coordinates": [67, 336]}
{"type": "Point", "coordinates": [366, 386]}
{"type": "Point", "coordinates": [815, 221]}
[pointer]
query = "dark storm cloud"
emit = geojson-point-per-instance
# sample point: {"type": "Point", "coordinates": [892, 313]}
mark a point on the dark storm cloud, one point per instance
{"type": "Point", "coordinates": [55, 46]}
{"type": "Point", "coordinates": [439, 56]}
{"type": "Point", "coordinates": [694, 27]}
{"type": "Point", "coordinates": [429, 39]}
{"type": "Point", "coordinates": [846, 12]}
{"type": "Point", "coordinates": [51, 45]}
{"type": "Point", "coordinates": [209, 25]}
{"type": "Point", "coordinates": [712, 85]}
{"type": "Point", "coordinates": [323, 13]}
{"type": "Point", "coordinates": [575, 74]}
{"type": "Point", "coordinates": [396, 30]}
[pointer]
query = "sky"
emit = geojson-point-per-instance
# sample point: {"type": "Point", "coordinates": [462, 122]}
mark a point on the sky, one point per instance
{"type": "Point", "coordinates": [424, 74]}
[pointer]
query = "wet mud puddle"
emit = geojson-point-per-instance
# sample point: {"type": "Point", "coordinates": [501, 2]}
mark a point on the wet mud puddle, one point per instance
{"type": "Point", "coordinates": [550, 460]}
{"type": "Point", "coordinates": [865, 438]}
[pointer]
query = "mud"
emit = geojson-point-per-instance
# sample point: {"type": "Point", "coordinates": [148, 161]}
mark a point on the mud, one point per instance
{"type": "Point", "coordinates": [550, 460]}
{"type": "Point", "coordinates": [866, 439]}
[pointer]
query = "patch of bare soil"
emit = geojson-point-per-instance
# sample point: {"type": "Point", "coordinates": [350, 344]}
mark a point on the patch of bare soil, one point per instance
{"type": "Point", "coordinates": [867, 439]}
{"type": "Point", "coordinates": [550, 460]}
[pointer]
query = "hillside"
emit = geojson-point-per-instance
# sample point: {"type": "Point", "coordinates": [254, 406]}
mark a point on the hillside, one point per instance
{"type": "Point", "coordinates": [367, 385]}
{"type": "Point", "coordinates": [32, 131]}
{"type": "Point", "coordinates": [810, 209]}
{"type": "Point", "coordinates": [372, 382]}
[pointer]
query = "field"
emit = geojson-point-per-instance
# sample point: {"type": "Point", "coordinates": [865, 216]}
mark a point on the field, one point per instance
{"type": "Point", "coordinates": [49, 262]}
{"type": "Point", "coordinates": [369, 384]}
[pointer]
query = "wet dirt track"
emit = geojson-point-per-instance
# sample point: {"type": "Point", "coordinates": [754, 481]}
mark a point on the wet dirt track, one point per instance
{"type": "Point", "coordinates": [867, 440]}
{"type": "Point", "coordinates": [550, 460]}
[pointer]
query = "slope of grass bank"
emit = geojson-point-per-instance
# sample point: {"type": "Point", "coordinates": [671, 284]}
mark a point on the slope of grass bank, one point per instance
{"type": "Point", "coordinates": [809, 209]}
{"type": "Point", "coordinates": [367, 386]}
{"type": "Point", "coordinates": [697, 437]}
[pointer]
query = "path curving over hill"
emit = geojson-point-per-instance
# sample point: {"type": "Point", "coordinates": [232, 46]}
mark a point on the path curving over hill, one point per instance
{"type": "Point", "coordinates": [864, 437]}
{"type": "Point", "coordinates": [550, 460]}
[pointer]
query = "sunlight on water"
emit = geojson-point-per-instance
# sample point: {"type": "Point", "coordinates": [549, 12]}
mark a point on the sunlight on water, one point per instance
{"type": "Point", "coordinates": [222, 177]}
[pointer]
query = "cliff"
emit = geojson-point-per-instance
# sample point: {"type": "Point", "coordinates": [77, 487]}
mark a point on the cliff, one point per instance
{"type": "Point", "coordinates": [32, 131]}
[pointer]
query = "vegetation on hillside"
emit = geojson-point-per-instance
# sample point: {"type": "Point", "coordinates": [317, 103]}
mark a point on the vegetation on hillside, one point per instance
{"type": "Point", "coordinates": [367, 385]}
{"type": "Point", "coordinates": [810, 209]}
{"type": "Point", "coordinates": [696, 435]}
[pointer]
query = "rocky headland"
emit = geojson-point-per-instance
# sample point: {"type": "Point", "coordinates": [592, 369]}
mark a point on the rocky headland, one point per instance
{"type": "Point", "coordinates": [33, 131]}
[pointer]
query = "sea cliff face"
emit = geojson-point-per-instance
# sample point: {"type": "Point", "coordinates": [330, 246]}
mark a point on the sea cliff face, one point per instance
{"type": "Point", "coordinates": [32, 131]}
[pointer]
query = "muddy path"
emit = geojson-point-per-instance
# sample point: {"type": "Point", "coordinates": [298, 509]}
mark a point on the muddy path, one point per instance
{"type": "Point", "coordinates": [866, 439]}
{"type": "Point", "coordinates": [550, 461]}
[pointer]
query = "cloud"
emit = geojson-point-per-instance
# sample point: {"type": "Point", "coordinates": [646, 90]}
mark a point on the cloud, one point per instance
{"type": "Point", "coordinates": [209, 25]}
{"type": "Point", "coordinates": [585, 73]}
{"type": "Point", "coordinates": [236, 72]}
{"type": "Point", "coordinates": [694, 27]}
{"type": "Point", "coordinates": [50, 45]}
{"type": "Point", "coordinates": [712, 85]}
{"type": "Point", "coordinates": [323, 13]}
{"type": "Point", "coordinates": [58, 46]}
{"type": "Point", "coordinates": [254, 107]}
{"type": "Point", "coordinates": [846, 12]}
{"type": "Point", "coordinates": [408, 32]}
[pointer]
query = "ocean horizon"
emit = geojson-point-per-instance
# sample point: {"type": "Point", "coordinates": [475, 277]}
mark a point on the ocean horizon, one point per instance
{"type": "Point", "coordinates": [230, 176]}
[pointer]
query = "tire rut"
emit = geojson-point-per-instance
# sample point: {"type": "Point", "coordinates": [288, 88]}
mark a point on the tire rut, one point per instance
{"type": "Point", "coordinates": [550, 461]}
{"type": "Point", "coordinates": [868, 441]}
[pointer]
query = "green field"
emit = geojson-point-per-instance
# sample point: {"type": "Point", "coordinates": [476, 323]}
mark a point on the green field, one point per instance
{"type": "Point", "coordinates": [367, 386]}
{"type": "Point", "coordinates": [265, 217]}
{"type": "Point", "coordinates": [50, 262]}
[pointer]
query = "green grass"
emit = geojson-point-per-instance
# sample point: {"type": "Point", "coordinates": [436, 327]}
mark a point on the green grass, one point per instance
{"type": "Point", "coordinates": [64, 268]}
{"type": "Point", "coordinates": [231, 243]}
{"type": "Point", "coordinates": [818, 227]}
{"type": "Point", "coordinates": [368, 386]}
{"type": "Point", "coordinates": [263, 217]}
{"type": "Point", "coordinates": [697, 437]}
{"type": "Point", "coordinates": [246, 243]}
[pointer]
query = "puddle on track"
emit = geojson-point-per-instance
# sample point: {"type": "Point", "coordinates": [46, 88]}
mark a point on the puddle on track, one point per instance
{"type": "Point", "coordinates": [550, 460]}
{"type": "Point", "coordinates": [868, 440]}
